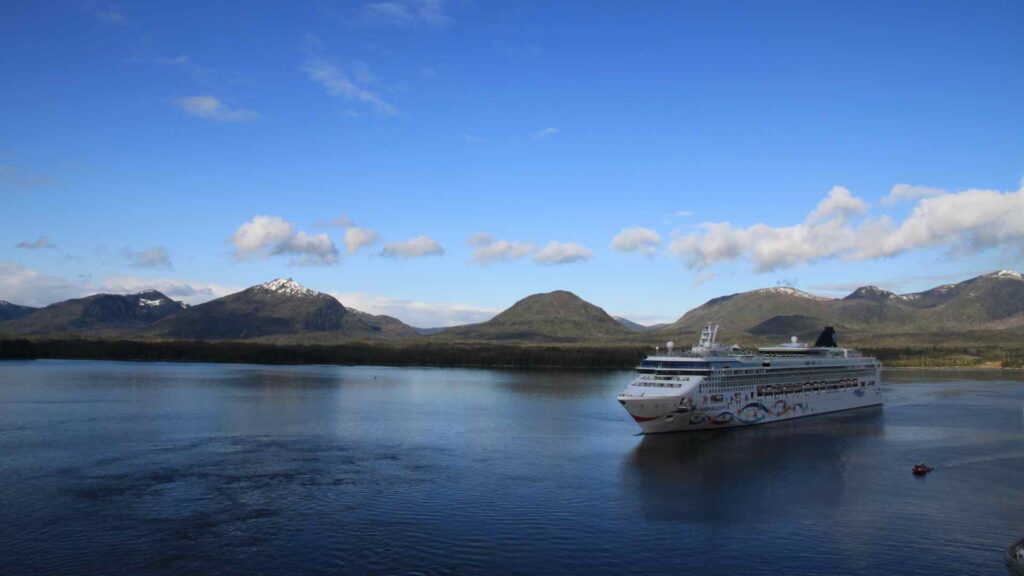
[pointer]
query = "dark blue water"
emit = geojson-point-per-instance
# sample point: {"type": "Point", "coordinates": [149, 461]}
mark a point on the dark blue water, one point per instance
{"type": "Point", "coordinates": [126, 468]}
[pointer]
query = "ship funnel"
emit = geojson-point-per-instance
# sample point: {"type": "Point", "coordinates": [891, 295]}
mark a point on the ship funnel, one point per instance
{"type": "Point", "coordinates": [827, 338]}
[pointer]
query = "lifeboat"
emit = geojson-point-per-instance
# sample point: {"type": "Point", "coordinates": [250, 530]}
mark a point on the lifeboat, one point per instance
{"type": "Point", "coordinates": [920, 469]}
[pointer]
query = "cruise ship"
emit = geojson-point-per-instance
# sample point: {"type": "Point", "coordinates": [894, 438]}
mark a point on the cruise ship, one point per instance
{"type": "Point", "coordinates": [716, 386]}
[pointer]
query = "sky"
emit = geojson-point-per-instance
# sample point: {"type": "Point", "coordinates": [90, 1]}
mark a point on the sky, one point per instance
{"type": "Point", "coordinates": [439, 160]}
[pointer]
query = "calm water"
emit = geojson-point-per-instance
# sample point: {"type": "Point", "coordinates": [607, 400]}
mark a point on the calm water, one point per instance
{"type": "Point", "coordinates": [126, 468]}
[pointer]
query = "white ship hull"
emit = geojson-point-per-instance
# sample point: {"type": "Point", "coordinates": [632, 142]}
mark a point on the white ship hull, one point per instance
{"type": "Point", "coordinates": [667, 417]}
{"type": "Point", "coordinates": [724, 387]}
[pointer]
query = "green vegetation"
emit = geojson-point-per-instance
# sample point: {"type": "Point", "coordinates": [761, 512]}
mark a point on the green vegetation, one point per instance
{"type": "Point", "coordinates": [991, 302]}
{"type": "Point", "coordinates": [430, 352]}
{"type": "Point", "coordinates": [419, 353]}
{"type": "Point", "coordinates": [277, 308]}
{"type": "Point", "coordinates": [979, 322]}
{"type": "Point", "coordinates": [557, 316]}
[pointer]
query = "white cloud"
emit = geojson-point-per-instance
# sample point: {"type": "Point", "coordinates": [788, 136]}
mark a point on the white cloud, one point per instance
{"type": "Point", "coordinates": [907, 192]}
{"type": "Point", "coordinates": [413, 248]}
{"type": "Point", "coordinates": [967, 222]}
{"type": "Point", "coordinates": [28, 287]}
{"type": "Point", "coordinates": [41, 243]}
{"type": "Point", "coordinates": [155, 257]}
{"type": "Point", "coordinates": [415, 312]}
{"type": "Point", "coordinates": [188, 291]}
{"type": "Point", "coordinates": [259, 234]}
{"type": "Point", "coordinates": [356, 238]}
{"type": "Point", "coordinates": [823, 234]}
{"type": "Point", "coordinates": [562, 253]}
{"type": "Point", "coordinates": [308, 250]}
{"type": "Point", "coordinates": [637, 238]}
{"type": "Point", "coordinates": [338, 83]}
{"type": "Point", "coordinates": [266, 236]}
{"type": "Point", "coordinates": [488, 250]}
{"type": "Point", "coordinates": [839, 204]}
{"type": "Point", "coordinates": [545, 133]}
{"type": "Point", "coordinates": [213, 109]}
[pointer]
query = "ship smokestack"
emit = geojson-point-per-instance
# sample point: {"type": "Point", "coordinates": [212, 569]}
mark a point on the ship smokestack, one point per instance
{"type": "Point", "coordinates": [827, 339]}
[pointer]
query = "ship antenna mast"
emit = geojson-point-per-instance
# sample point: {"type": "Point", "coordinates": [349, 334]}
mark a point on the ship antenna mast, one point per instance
{"type": "Point", "coordinates": [707, 336]}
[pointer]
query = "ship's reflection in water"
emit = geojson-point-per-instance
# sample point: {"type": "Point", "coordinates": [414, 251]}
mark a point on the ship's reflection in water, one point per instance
{"type": "Point", "coordinates": [790, 469]}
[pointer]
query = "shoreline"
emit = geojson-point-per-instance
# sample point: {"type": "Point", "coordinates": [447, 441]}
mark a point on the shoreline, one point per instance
{"type": "Point", "coordinates": [453, 354]}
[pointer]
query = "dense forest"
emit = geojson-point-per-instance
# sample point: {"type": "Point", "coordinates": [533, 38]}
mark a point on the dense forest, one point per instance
{"type": "Point", "coordinates": [427, 353]}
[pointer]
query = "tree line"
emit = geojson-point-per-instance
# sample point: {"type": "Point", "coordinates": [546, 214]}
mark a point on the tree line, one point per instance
{"type": "Point", "coordinates": [419, 353]}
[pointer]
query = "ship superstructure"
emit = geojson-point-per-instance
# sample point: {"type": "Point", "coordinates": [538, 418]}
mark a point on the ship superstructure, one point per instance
{"type": "Point", "coordinates": [715, 386]}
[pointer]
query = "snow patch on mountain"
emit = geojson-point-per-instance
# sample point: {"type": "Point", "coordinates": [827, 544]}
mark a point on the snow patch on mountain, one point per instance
{"type": "Point", "coordinates": [1006, 274]}
{"type": "Point", "coordinates": [790, 292]}
{"type": "Point", "coordinates": [287, 287]}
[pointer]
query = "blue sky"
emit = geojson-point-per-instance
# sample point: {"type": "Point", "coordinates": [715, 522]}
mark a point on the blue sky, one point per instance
{"type": "Point", "coordinates": [204, 147]}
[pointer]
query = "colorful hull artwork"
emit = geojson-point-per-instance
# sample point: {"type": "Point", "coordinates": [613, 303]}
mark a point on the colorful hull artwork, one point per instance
{"type": "Point", "coordinates": [752, 413]}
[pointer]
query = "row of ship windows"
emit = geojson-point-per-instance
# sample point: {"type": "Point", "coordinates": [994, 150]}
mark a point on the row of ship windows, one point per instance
{"type": "Point", "coordinates": [805, 387]}
{"type": "Point", "coordinates": [785, 373]}
{"type": "Point", "coordinates": [725, 383]}
{"type": "Point", "coordinates": [670, 371]}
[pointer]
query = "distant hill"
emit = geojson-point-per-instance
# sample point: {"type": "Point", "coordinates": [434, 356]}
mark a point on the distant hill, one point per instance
{"type": "Point", "coordinates": [740, 312]}
{"type": "Point", "coordinates": [629, 324]}
{"type": "Point", "coordinates": [100, 313]}
{"type": "Point", "coordinates": [281, 307]}
{"type": "Point", "coordinates": [988, 307]}
{"type": "Point", "coordinates": [806, 327]}
{"type": "Point", "coordinates": [10, 311]}
{"type": "Point", "coordinates": [990, 302]}
{"type": "Point", "coordinates": [552, 316]}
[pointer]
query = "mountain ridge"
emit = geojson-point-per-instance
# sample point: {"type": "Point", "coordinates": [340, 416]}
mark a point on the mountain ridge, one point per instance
{"type": "Point", "coordinates": [284, 309]}
{"type": "Point", "coordinates": [11, 311]}
{"type": "Point", "coordinates": [278, 308]}
{"type": "Point", "coordinates": [987, 301]}
{"type": "Point", "coordinates": [105, 313]}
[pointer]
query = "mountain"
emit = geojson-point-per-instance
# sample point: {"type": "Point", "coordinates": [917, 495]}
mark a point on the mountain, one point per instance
{"type": "Point", "coordinates": [781, 327]}
{"type": "Point", "coordinates": [552, 316]}
{"type": "Point", "coordinates": [100, 313]}
{"type": "Point", "coordinates": [870, 293]}
{"type": "Point", "coordinates": [629, 324]}
{"type": "Point", "coordinates": [989, 302]}
{"type": "Point", "coordinates": [281, 307]}
{"type": "Point", "coordinates": [973, 303]}
{"type": "Point", "coordinates": [10, 311]}
{"type": "Point", "coordinates": [740, 312]}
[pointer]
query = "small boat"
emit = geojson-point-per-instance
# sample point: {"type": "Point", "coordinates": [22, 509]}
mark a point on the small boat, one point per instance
{"type": "Point", "coordinates": [920, 469]}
